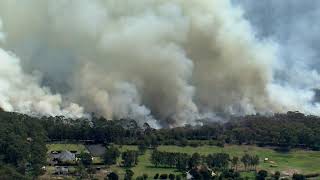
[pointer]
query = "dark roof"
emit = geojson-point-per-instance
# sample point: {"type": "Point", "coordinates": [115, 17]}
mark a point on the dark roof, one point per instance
{"type": "Point", "coordinates": [96, 149]}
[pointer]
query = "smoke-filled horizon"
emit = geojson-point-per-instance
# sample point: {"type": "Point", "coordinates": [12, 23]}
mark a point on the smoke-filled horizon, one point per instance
{"type": "Point", "coordinates": [164, 62]}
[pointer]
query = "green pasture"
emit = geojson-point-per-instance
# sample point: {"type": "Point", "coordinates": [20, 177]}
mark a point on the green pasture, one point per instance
{"type": "Point", "coordinates": [297, 160]}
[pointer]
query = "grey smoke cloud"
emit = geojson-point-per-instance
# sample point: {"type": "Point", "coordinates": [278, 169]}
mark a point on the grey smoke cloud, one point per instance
{"type": "Point", "coordinates": [163, 62]}
{"type": "Point", "coordinates": [294, 26]}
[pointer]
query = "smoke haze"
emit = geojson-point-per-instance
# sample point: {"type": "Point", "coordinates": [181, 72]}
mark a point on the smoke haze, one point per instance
{"type": "Point", "coordinates": [163, 62]}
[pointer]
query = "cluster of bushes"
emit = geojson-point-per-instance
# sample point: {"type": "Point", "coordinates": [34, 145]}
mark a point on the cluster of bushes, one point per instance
{"type": "Point", "coordinates": [129, 157]}
{"type": "Point", "coordinates": [166, 176]}
{"type": "Point", "coordinates": [170, 159]}
{"type": "Point", "coordinates": [219, 161]}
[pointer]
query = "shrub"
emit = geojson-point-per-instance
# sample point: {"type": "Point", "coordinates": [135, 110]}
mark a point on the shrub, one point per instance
{"type": "Point", "coordinates": [112, 176]}
{"type": "Point", "coordinates": [276, 175]}
{"type": "Point", "coordinates": [262, 174]}
{"type": "Point", "coordinates": [220, 144]}
{"type": "Point", "coordinates": [139, 178]}
{"type": "Point", "coordinates": [183, 142]}
{"type": "Point", "coordinates": [156, 176]}
{"type": "Point", "coordinates": [298, 177]}
{"type": "Point", "coordinates": [129, 174]}
{"type": "Point", "coordinates": [171, 176]}
{"type": "Point", "coordinates": [312, 175]}
{"type": "Point", "coordinates": [178, 177]}
{"type": "Point", "coordinates": [163, 176]}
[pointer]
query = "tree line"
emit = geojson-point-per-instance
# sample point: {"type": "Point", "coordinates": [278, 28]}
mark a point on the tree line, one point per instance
{"type": "Point", "coordinates": [216, 161]}
{"type": "Point", "coordinates": [292, 129]}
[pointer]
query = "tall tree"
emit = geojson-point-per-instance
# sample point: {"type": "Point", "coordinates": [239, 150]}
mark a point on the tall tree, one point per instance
{"type": "Point", "coordinates": [111, 154]}
{"type": "Point", "coordinates": [245, 159]}
{"type": "Point", "coordinates": [195, 160]}
{"type": "Point", "coordinates": [129, 158]}
{"type": "Point", "coordinates": [235, 162]}
{"type": "Point", "coordinates": [85, 158]}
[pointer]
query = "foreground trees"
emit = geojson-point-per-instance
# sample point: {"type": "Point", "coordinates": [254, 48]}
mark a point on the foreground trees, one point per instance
{"type": "Point", "coordinates": [180, 161]}
{"type": "Point", "coordinates": [250, 161]}
{"type": "Point", "coordinates": [129, 174]}
{"type": "Point", "coordinates": [112, 176]}
{"type": "Point", "coordinates": [262, 174]}
{"type": "Point", "coordinates": [85, 159]}
{"type": "Point", "coordinates": [23, 150]}
{"type": "Point", "coordinates": [111, 155]}
{"type": "Point", "coordinates": [129, 158]}
{"type": "Point", "coordinates": [235, 162]}
{"type": "Point", "coordinates": [218, 160]}
{"type": "Point", "coordinates": [283, 130]}
{"type": "Point", "coordinates": [22, 145]}
{"type": "Point", "coordinates": [183, 161]}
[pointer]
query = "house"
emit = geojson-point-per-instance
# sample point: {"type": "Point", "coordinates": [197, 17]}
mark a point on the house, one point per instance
{"type": "Point", "coordinates": [61, 170]}
{"type": "Point", "coordinates": [66, 156]}
{"type": "Point", "coordinates": [56, 157]}
{"type": "Point", "coordinates": [96, 150]}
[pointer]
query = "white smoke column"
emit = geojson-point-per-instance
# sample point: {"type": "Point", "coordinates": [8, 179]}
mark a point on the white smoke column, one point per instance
{"type": "Point", "coordinates": [294, 25]}
{"type": "Point", "coordinates": [294, 99]}
{"type": "Point", "coordinates": [21, 92]}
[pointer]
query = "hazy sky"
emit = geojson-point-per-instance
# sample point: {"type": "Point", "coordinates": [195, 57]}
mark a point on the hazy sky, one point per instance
{"type": "Point", "coordinates": [295, 25]}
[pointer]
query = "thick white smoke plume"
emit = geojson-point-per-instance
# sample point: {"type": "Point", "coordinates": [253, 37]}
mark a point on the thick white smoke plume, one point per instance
{"type": "Point", "coordinates": [21, 92]}
{"type": "Point", "coordinates": [158, 61]}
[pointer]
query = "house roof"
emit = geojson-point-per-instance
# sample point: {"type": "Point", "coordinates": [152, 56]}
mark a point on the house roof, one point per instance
{"type": "Point", "coordinates": [96, 150]}
{"type": "Point", "coordinates": [64, 156]}
{"type": "Point", "coordinates": [67, 156]}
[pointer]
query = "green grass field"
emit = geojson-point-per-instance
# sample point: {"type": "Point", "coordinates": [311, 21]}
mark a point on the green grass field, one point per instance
{"type": "Point", "coordinates": [297, 160]}
{"type": "Point", "coordinates": [302, 161]}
